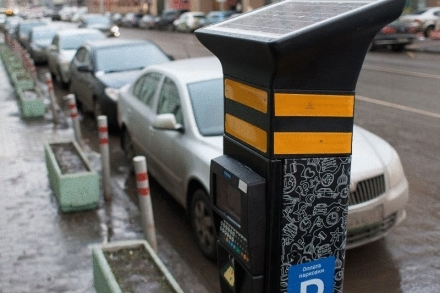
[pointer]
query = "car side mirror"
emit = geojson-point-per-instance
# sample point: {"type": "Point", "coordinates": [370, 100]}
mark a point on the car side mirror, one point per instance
{"type": "Point", "coordinates": [167, 121]}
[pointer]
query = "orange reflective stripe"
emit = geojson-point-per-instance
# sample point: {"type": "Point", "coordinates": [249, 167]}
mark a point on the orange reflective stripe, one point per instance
{"type": "Point", "coordinates": [312, 143]}
{"type": "Point", "coordinates": [314, 105]}
{"type": "Point", "coordinates": [246, 132]}
{"type": "Point", "coordinates": [246, 95]}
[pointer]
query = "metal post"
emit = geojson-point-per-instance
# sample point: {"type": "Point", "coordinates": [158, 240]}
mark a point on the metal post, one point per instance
{"type": "Point", "coordinates": [105, 156]}
{"type": "Point", "coordinates": [53, 101]}
{"type": "Point", "coordinates": [143, 188]}
{"type": "Point", "coordinates": [74, 115]}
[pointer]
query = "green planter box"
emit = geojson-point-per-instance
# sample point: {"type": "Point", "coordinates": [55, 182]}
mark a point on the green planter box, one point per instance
{"type": "Point", "coordinates": [137, 262]}
{"type": "Point", "coordinates": [74, 182]}
{"type": "Point", "coordinates": [13, 64]}
{"type": "Point", "coordinates": [21, 80]}
{"type": "Point", "coordinates": [31, 103]}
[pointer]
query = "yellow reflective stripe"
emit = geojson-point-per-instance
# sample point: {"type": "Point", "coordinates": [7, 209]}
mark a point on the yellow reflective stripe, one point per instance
{"type": "Point", "coordinates": [314, 105]}
{"type": "Point", "coordinates": [246, 132]}
{"type": "Point", "coordinates": [246, 95]}
{"type": "Point", "coordinates": [312, 143]}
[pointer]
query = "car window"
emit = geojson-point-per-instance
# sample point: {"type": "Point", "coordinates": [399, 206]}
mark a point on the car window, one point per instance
{"type": "Point", "coordinates": [130, 57]}
{"type": "Point", "coordinates": [80, 55]}
{"type": "Point", "coordinates": [169, 100]}
{"type": "Point", "coordinates": [207, 103]}
{"type": "Point", "coordinates": [145, 88]}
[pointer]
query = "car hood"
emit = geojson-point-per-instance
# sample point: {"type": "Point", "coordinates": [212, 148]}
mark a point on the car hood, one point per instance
{"type": "Point", "coordinates": [117, 79]}
{"type": "Point", "coordinates": [67, 54]}
{"type": "Point", "coordinates": [370, 157]}
{"type": "Point", "coordinates": [370, 154]}
{"type": "Point", "coordinates": [101, 27]}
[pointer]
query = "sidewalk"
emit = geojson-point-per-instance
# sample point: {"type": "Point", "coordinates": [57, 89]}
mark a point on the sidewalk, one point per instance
{"type": "Point", "coordinates": [45, 250]}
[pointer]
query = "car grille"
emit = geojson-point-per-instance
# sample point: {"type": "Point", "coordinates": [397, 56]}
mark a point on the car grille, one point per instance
{"type": "Point", "coordinates": [357, 235]}
{"type": "Point", "coordinates": [367, 190]}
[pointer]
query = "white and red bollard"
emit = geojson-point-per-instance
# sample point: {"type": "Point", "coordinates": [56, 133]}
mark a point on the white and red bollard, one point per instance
{"type": "Point", "coordinates": [53, 100]}
{"type": "Point", "coordinates": [143, 189]}
{"type": "Point", "coordinates": [105, 156]}
{"type": "Point", "coordinates": [74, 115]}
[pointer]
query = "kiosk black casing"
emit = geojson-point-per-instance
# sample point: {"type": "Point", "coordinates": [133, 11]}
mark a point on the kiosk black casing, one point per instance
{"type": "Point", "coordinates": [290, 73]}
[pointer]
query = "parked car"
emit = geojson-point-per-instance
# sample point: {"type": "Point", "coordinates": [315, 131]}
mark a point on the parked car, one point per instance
{"type": "Point", "coordinates": [395, 36]}
{"type": "Point", "coordinates": [99, 22]}
{"type": "Point", "coordinates": [422, 20]}
{"type": "Point", "coordinates": [131, 19]}
{"type": "Point", "coordinates": [188, 22]}
{"type": "Point", "coordinates": [24, 27]}
{"type": "Point", "coordinates": [63, 48]}
{"type": "Point", "coordinates": [11, 24]}
{"type": "Point", "coordinates": [218, 15]}
{"type": "Point", "coordinates": [166, 19]}
{"type": "Point", "coordinates": [147, 22]}
{"type": "Point", "coordinates": [100, 68]}
{"type": "Point", "coordinates": [167, 115]}
{"type": "Point", "coordinates": [39, 40]}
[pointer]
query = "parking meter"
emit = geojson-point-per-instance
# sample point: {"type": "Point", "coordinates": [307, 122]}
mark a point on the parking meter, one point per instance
{"type": "Point", "coordinates": [280, 191]}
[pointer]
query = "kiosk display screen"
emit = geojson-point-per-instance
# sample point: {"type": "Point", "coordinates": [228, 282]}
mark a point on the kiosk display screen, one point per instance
{"type": "Point", "coordinates": [228, 199]}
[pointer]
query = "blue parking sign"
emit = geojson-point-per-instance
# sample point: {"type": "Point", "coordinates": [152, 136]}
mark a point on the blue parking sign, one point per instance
{"type": "Point", "coordinates": [312, 277]}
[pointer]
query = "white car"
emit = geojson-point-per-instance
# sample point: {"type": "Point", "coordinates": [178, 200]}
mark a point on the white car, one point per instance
{"type": "Point", "coordinates": [188, 22]}
{"type": "Point", "coordinates": [62, 49]}
{"type": "Point", "coordinates": [422, 20]}
{"type": "Point", "coordinates": [173, 115]}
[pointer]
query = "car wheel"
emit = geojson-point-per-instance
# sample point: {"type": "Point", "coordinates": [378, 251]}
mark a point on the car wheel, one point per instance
{"type": "Point", "coordinates": [203, 224]}
{"type": "Point", "coordinates": [397, 48]}
{"type": "Point", "coordinates": [97, 110]}
{"type": "Point", "coordinates": [127, 146]}
{"type": "Point", "coordinates": [64, 84]}
{"type": "Point", "coordinates": [428, 31]}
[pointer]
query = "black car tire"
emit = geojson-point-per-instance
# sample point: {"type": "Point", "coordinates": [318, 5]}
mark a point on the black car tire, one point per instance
{"type": "Point", "coordinates": [428, 31]}
{"type": "Point", "coordinates": [127, 146]}
{"type": "Point", "coordinates": [97, 110]}
{"type": "Point", "coordinates": [398, 48]}
{"type": "Point", "coordinates": [202, 224]}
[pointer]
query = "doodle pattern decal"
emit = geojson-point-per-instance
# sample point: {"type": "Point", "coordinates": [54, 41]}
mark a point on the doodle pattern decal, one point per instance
{"type": "Point", "coordinates": [314, 213]}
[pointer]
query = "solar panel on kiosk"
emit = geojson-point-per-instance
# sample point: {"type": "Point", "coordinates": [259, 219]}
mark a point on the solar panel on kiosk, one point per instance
{"type": "Point", "coordinates": [277, 20]}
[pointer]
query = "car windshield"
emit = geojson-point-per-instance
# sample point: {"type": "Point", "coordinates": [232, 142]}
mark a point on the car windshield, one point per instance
{"type": "Point", "coordinates": [419, 11]}
{"type": "Point", "coordinates": [73, 42]}
{"type": "Point", "coordinates": [43, 34]}
{"type": "Point", "coordinates": [26, 28]}
{"type": "Point", "coordinates": [207, 103]}
{"type": "Point", "coordinates": [123, 58]}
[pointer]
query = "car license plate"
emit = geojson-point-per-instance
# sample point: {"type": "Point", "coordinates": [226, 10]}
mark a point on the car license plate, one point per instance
{"type": "Point", "coordinates": [402, 40]}
{"type": "Point", "coordinates": [365, 218]}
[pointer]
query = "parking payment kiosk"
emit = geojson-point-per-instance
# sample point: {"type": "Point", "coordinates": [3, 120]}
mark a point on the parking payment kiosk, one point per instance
{"type": "Point", "coordinates": [280, 191]}
{"type": "Point", "coordinates": [239, 197]}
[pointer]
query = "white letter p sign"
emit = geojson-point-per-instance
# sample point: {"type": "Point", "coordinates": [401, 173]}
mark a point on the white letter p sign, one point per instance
{"type": "Point", "coordinates": [317, 282]}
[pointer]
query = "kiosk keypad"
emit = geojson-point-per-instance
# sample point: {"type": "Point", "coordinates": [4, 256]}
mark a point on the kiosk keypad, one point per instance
{"type": "Point", "coordinates": [234, 240]}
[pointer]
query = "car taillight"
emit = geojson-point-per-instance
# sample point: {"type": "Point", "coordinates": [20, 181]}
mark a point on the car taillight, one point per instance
{"type": "Point", "coordinates": [388, 30]}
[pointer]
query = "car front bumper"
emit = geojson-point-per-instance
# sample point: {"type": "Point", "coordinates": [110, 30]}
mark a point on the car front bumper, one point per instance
{"type": "Point", "coordinates": [373, 220]}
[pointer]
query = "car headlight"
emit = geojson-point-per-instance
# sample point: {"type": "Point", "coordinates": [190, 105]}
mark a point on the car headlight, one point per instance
{"type": "Point", "coordinates": [395, 171]}
{"type": "Point", "coordinates": [114, 29]}
{"type": "Point", "coordinates": [112, 93]}
{"type": "Point", "coordinates": [65, 65]}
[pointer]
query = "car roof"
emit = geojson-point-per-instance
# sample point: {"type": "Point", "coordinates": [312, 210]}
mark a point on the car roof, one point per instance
{"type": "Point", "coordinates": [192, 69]}
{"type": "Point", "coordinates": [77, 31]}
{"type": "Point", "coordinates": [115, 42]}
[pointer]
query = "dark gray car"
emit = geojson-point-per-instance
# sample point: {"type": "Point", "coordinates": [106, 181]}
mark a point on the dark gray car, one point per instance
{"type": "Point", "coordinates": [100, 68]}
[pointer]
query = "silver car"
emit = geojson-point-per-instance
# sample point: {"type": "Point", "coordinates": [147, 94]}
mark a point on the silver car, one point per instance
{"type": "Point", "coordinates": [173, 115]}
{"type": "Point", "coordinates": [62, 49]}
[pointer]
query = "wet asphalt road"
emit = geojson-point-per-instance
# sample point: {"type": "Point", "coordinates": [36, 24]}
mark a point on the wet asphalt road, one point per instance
{"type": "Point", "coordinates": [43, 250]}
